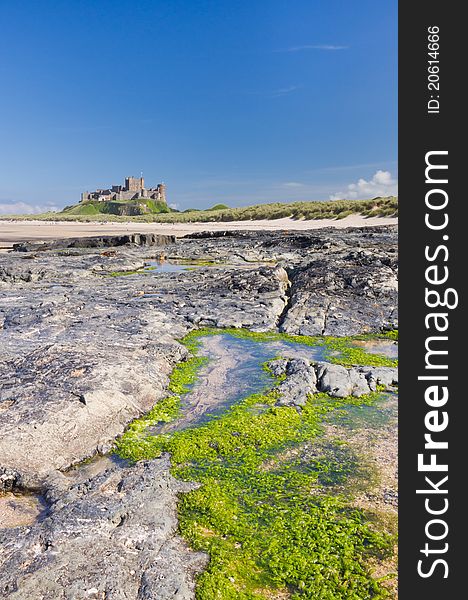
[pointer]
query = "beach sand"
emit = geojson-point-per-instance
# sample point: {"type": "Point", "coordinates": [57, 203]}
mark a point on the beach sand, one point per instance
{"type": "Point", "coordinates": [20, 231]}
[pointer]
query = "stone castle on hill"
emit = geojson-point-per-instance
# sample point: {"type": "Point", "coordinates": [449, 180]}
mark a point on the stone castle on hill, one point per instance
{"type": "Point", "coordinates": [133, 189]}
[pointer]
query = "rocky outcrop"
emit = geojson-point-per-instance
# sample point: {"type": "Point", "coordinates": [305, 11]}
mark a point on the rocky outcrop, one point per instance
{"type": "Point", "coordinates": [342, 282]}
{"type": "Point", "coordinates": [356, 292]}
{"type": "Point", "coordinates": [304, 378]}
{"type": "Point", "coordinates": [84, 354]}
{"type": "Point", "coordinates": [301, 380]}
{"type": "Point", "coordinates": [111, 536]}
{"type": "Point", "coordinates": [102, 241]}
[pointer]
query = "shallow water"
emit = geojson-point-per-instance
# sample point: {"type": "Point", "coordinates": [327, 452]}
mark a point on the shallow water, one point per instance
{"type": "Point", "coordinates": [17, 510]}
{"type": "Point", "coordinates": [95, 466]}
{"type": "Point", "coordinates": [383, 413]}
{"type": "Point", "coordinates": [349, 452]}
{"type": "Point", "coordinates": [234, 371]}
{"type": "Point", "coordinates": [387, 348]}
{"type": "Point", "coordinates": [157, 266]}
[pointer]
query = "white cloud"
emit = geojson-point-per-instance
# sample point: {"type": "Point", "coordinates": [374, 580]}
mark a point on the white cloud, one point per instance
{"type": "Point", "coordinates": [293, 184]}
{"type": "Point", "coordinates": [381, 184]}
{"type": "Point", "coordinates": [174, 205]}
{"type": "Point", "coordinates": [22, 208]}
{"type": "Point", "coordinates": [315, 47]}
{"type": "Point", "coordinates": [284, 91]}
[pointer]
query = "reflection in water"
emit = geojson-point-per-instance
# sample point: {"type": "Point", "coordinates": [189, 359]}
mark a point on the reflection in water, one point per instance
{"type": "Point", "coordinates": [234, 371]}
{"type": "Point", "coordinates": [163, 266]}
{"type": "Point", "coordinates": [387, 348]}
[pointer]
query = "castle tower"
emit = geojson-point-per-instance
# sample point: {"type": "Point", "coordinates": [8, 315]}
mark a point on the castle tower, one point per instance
{"type": "Point", "coordinates": [134, 184]}
{"type": "Point", "coordinates": [162, 192]}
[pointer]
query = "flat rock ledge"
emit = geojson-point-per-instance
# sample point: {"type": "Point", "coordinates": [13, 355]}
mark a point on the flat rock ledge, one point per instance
{"type": "Point", "coordinates": [111, 536]}
{"type": "Point", "coordinates": [304, 378]}
{"type": "Point", "coordinates": [102, 241]}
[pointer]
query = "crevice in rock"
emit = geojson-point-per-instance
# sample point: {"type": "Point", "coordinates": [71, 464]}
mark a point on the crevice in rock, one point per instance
{"type": "Point", "coordinates": [325, 318]}
{"type": "Point", "coordinates": [288, 303]}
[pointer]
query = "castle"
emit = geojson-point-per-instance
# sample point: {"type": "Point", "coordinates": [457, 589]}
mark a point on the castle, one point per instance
{"type": "Point", "coordinates": [133, 188]}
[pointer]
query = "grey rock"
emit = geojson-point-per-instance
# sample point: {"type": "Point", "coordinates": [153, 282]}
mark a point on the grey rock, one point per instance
{"type": "Point", "coordinates": [340, 382]}
{"type": "Point", "coordinates": [299, 383]}
{"type": "Point", "coordinates": [278, 366]}
{"type": "Point", "coordinates": [113, 536]}
{"type": "Point", "coordinates": [386, 376]}
{"type": "Point", "coordinates": [85, 355]}
{"type": "Point", "coordinates": [303, 378]}
{"type": "Point", "coordinates": [359, 384]}
{"type": "Point", "coordinates": [334, 380]}
{"type": "Point", "coordinates": [9, 479]}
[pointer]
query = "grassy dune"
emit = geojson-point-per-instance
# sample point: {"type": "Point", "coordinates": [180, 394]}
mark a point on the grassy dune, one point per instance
{"type": "Point", "coordinates": [336, 209]}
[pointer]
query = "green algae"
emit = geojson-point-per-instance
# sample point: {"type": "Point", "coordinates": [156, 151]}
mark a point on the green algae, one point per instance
{"type": "Point", "coordinates": [338, 350]}
{"type": "Point", "coordinates": [124, 273]}
{"type": "Point", "coordinates": [268, 530]}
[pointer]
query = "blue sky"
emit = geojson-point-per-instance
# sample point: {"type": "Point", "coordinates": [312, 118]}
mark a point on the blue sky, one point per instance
{"type": "Point", "coordinates": [235, 102]}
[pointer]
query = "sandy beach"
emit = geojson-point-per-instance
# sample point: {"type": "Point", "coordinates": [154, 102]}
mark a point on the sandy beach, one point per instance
{"type": "Point", "coordinates": [19, 231]}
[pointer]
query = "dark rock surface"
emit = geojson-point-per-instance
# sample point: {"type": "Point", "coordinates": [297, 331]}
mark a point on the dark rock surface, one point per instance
{"type": "Point", "coordinates": [103, 241]}
{"type": "Point", "coordinates": [110, 536]}
{"type": "Point", "coordinates": [82, 353]}
{"type": "Point", "coordinates": [342, 282]}
{"type": "Point", "coordinates": [300, 381]}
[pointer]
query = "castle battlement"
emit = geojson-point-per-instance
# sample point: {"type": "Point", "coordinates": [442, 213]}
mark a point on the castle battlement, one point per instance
{"type": "Point", "coordinates": [133, 188]}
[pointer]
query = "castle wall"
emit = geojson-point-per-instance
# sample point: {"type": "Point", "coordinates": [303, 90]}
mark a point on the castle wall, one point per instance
{"type": "Point", "coordinates": [134, 188]}
{"type": "Point", "coordinates": [134, 184]}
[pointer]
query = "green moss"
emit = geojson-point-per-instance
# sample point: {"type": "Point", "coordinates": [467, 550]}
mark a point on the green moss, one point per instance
{"type": "Point", "coordinates": [123, 273]}
{"type": "Point", "coordinates": [263, 519]}
{"type": "Point", "coordinates": [341, 351]}
{"type": "Point", "coordinates": [198, 262]}
{"type": "Point", "coordinates": [267, 529]}
{"type": "Point", "coordinates": [391, 334]}
{"type": "Point", "coordinates": [337, 350]}
{"type": "Point", "coordinates": [185, 374]}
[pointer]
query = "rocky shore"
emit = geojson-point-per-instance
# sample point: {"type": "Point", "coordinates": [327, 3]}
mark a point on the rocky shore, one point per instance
{"type": "Point", "coordinates": [89, 337]}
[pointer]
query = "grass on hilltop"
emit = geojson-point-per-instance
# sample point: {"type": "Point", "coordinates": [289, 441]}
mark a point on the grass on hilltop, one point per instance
{"type": "Point", "coordinates": [333, 209]}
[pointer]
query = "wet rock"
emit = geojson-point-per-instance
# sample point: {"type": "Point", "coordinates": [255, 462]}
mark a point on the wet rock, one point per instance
{"type": "Point", "coordinates": [111, 536]}
{"type": "Point", "coordinates": [103, 241]}
{"type": "Point", "coordinates": [340, 382]}
{"type": "Point", "coordinates": [278, 366]}
{"type": "Point", "coordinates": [352, 293]}
{"type": "Point", "coordinates": [83, 353]}
{"type": "Point", "coordinates": [304, 378]}
{"type": "Point", "coordinates": [337, 381]}
{"type": "Point", "coordinates": [299, 383]}
{"type": "Point", "coordinates": [386, 376]}
{"type": "Point", "coordinates": [343, 282]}
{"type": "Point", "coordinates": [19, 509]}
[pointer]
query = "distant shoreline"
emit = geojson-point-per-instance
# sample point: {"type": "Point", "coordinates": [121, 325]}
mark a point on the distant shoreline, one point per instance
{"type": "Point", "coordinates": [13, 231]}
